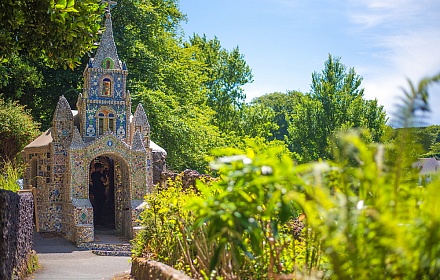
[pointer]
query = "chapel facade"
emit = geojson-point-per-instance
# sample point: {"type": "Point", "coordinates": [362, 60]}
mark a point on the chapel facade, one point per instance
{"type": "Point", "coordinates": [102, 132]}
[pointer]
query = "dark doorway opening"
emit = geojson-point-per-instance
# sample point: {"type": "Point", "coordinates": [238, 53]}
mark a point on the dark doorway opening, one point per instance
{"type": "Point", "coordinates": [102, 192]}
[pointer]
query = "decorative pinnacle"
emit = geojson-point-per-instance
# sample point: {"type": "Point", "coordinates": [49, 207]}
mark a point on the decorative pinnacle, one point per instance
{"type": "Point", "coordinates": [109, 3]}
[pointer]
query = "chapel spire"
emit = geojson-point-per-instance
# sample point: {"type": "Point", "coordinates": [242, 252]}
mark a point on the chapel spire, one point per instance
{"type": "Point", "coordinates": [107, 55]}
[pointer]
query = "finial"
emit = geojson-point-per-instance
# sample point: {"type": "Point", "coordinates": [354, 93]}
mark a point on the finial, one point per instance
{"type": "Point", "coordinates": [109, 3]}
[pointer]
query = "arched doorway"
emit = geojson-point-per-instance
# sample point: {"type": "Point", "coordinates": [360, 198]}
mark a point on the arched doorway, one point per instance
{"type": "Point", "coordinates": [111, 204]}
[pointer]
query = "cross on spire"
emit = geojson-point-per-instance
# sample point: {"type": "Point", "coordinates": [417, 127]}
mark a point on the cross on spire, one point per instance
{"type": "Point", "coordinates": [109, 3]}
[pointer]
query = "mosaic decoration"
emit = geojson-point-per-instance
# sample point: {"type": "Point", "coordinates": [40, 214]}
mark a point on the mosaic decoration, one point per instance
{"type": "Point", "coordinates": [107, 47]}
{"type": "Point", "coordinates": [84, 233]}
{"type": "Point", "coordinates": [138, 144]}
{"type": "Point", "coordinates": [140, 122]}
{"type": "Point", "coordinates": [60, 161]}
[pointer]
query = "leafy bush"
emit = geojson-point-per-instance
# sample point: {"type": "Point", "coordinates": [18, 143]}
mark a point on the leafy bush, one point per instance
{"type": "Point", "coordinates": [17, 129]}
{"type": "Point", "coordinates": [9, 175]}
{"type": "Point", "coordinates": [166, 236]}
{"type": "Point", "coordinates": [169, 222]}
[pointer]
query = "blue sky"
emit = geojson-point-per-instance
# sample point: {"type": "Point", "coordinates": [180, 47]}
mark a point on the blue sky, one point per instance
{"type": "Point", "coordinates": [285, 41]}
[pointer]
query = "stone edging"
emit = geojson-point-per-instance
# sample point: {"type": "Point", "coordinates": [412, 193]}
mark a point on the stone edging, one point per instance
{"type": "Point", "coordinates": [143, 269]}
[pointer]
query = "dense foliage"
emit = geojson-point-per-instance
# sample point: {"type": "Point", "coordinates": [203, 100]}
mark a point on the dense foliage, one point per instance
{"type": "Point", "coordinates": [10, 174]}
{"type": "Point", "coordinates": [58, 33]}
{"type": "Point", "coordinates": [225, 73]}
{"type": "Point", "coordinates": [17, 129]}
{"type": "Point", "coordinates": [366, 216]}
{"type": "Point", "coordinates": [283, 106]}
{"type": "Point", "coordinates": [191, 89]}
{"type": "Point", "coordinates": [335, 103]}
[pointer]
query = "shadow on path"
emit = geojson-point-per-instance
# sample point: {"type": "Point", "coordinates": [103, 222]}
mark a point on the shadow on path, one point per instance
{"type": "Point", "coordinates": [60, 259]}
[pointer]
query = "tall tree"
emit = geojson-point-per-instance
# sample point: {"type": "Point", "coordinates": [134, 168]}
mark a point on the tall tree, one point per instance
{"type": "Point", "coordinates": [335, 102]}
{"type": "Point", "coordinates": [226, 73]}
{"type": "Point", "coordinates": [335, 89]}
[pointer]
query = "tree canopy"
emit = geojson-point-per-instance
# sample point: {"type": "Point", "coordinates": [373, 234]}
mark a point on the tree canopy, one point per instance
{"type": "Point", "coordinates": [192, 89]}
{"type": "Point", "coordinates": [282, 104]}
{"type": "Point", "coordinates": [336, 102]}
{"type": "Point", "coordinates": [225, 71]}
{"type": "Point", "coordinates": [57, 32]}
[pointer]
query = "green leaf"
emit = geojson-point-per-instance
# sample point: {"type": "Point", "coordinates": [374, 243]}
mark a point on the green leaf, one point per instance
{"type": "Point", "coordinates": [59, 6]}
{"type": "Point", "coordinates": [70, 10]}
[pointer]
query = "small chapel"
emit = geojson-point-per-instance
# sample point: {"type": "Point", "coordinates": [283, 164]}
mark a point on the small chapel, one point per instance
{"type": "Point", "coordinates": [101, 136]}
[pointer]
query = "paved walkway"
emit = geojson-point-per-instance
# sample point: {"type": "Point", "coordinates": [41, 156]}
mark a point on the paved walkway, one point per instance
{"type": "Point", "coordinates": [60, 259]}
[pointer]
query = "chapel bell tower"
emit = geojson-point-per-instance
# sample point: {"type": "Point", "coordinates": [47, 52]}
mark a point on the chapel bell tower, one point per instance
{"type": "Point", "coordinates": [105, 104]}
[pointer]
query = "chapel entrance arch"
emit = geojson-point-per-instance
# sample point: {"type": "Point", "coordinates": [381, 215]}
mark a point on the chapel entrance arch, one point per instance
{"type": "Point", "coordinates": [114, 209]}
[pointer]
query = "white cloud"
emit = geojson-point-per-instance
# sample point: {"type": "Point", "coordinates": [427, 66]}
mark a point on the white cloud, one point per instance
{"type": "Point", "coordinates": [406, 35]}
{"type": "Point", "coordinates": [373, 13]}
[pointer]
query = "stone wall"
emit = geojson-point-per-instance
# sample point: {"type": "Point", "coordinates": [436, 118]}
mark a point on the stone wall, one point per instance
{"type": "Point", "coordinates": [16, 233]}
{"type": "Point", "coordinates": [159, 165]}
{"type": "Point", "coordinates": [188, 178]}
{"type": "Point", "coordinates": [143, 269]}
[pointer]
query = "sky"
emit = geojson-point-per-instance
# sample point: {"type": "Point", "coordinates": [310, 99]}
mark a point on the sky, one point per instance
{"type": "Point", "coordinates": [285, 41]}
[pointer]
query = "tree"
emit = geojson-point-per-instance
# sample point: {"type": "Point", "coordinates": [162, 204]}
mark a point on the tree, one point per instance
{"type": "Point", "coordinates": [58, 32]}
{"type": "Point", "coordinates": [283, 105]}
{"type": "Point", "coordinates": [226, 72]}
{"type": "Point", "coordinates": [335, 103]}
{"type": "Point", "coordinates": [38, 87]}
{"type": "Point", "coordinates": [17, 130]}
{"type": "Point", "coordinates": [257, 121]}
{"type": "Point", "coordinates": [427, 136]}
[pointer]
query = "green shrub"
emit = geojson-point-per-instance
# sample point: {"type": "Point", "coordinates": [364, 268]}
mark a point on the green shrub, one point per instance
{"type": "Point", "coordinates": [9, 175]}
{"type": "Point", "coordinates": [172, 235]}
{"type": "Point", "coordinates": [166, 222]}
{"type": "Point", "coordinates": [17, 129]}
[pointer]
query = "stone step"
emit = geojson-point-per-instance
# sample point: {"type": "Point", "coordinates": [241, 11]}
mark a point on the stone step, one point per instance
{"type": "Point", "coordinates": [105, 247]}
{"type": "Point", "coordinates": [112, 253]}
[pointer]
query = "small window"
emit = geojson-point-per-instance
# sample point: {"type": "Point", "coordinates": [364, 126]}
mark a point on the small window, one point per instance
{"type": "Point", "coordinates": [100, 126]}
{"type": "Point", "coordinates": [111, 125]}
{"type": "Point", "coordinates": [105, 120]}
{"type": "Point", "coordinates": [108, 63]}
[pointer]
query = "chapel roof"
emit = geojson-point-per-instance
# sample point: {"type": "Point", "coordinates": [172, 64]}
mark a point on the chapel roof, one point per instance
{"type": "Point", "coordinates": [46, 138]}
{"type": "Point", "coordinates": [156, 148]}
{"type": "Point", "coordinates": [41, 141]}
